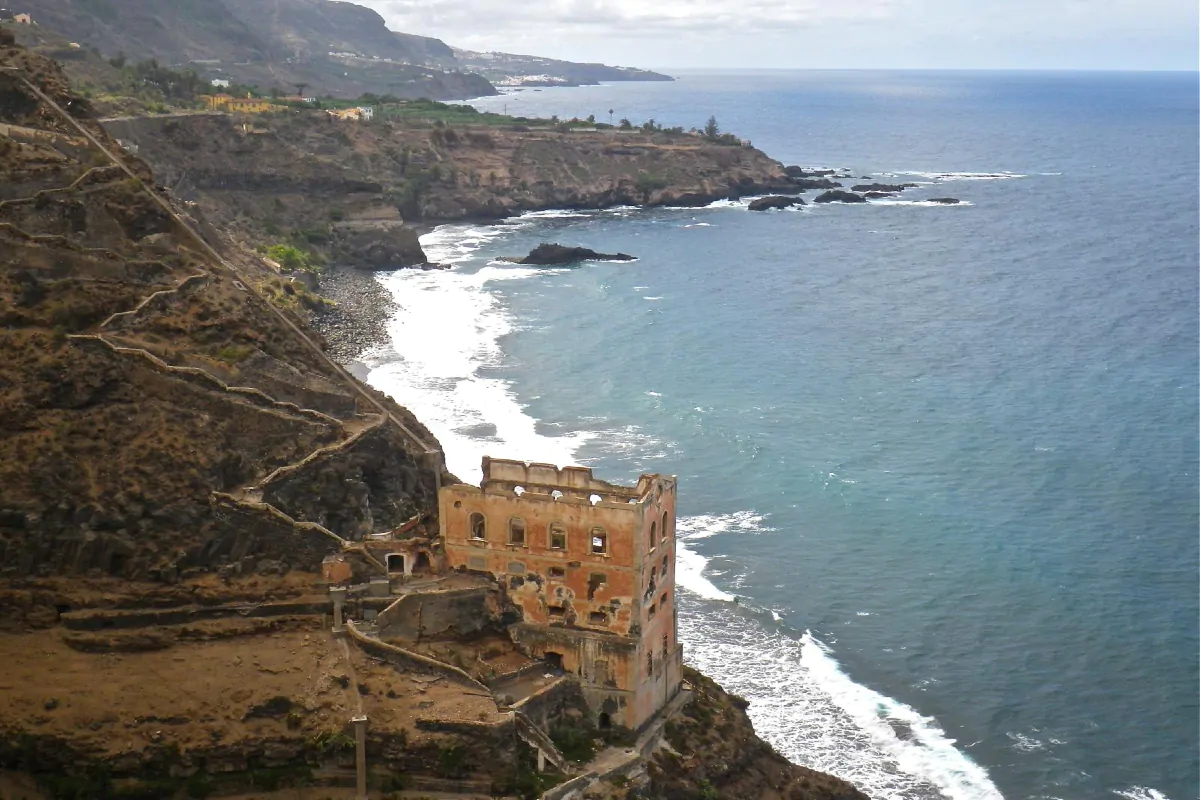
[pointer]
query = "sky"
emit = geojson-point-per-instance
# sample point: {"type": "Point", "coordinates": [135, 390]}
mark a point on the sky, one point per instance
{"type": "Point", "coordinates": [834, 34]}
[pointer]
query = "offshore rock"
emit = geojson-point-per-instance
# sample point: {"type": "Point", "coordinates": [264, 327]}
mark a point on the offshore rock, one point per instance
{"type": "Point", "coordinates": [946, 201]}
{"type": "Point", "coordinates": [557, 255]}
{"type": "Point", "coordinates": [774, 201]}
{"type": "Point", "coordinates": [838, 196]}
{"type": "Point", "coordinates": [882, 187]}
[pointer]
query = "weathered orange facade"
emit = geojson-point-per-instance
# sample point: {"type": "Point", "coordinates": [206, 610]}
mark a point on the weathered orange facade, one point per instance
{"type": "Point", "coordinates": [592, 567]}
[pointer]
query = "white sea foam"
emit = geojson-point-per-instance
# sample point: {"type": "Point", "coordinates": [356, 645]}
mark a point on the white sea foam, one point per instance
{"type": "Point", "coordinates": [690, 565]}
{"type": "Point", "coordinates": [1141, 793]}
{"type": "Point", "coordinates": [802, 702]}
{"type": "Point", "coordinates": [964, 176]}
{"type": "Point", "coordinates": [458, 325]}
{"type": "Point", "coordinates": [887, 201]}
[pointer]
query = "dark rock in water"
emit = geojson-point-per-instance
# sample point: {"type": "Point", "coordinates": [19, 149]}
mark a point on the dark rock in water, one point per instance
{"type": "Point", "coordinates": [882, 187]}
{"type": "Point", "coordinates": [878, 195]}
{"type": "Point", "coordinates": [774, 201]}
{"type": "Point", "coordinates": [815, 183]}
{"type": "Point", "coordinates": [946, 201]}
{"type": "Point", "coordinates": [801, 172]}
{"type": "Point", "coordinates": [687, 200]}
{"type": "Point", "coordinates": [838, 196]}
{"type": "Point", "coordinates": [557, 255]}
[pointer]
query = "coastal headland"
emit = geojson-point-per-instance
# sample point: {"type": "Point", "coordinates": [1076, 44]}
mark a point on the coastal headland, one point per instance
{"type": "Point", "coordinates": [186, 471]}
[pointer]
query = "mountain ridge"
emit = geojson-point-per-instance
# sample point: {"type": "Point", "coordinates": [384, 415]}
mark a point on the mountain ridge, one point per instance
{"type": "Point", "coordinates": [331, 47]}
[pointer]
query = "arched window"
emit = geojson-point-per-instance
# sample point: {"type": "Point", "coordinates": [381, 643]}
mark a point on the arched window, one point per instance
{"type": "Point", "coordinates": [653, 535]}
{"type": "Point", "coordinates": [666, 533]}
{"type": "Point", "coordinates": [599, 541]}
{"type": "Point", "coordinates": [516, 531]}
{"type": "Point", "coordinates": [478, 526]}
{"type": "Point", "coordinates": [558, 536]}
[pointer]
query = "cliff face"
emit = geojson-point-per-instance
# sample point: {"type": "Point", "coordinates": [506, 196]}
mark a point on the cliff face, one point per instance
{"type": "Point", "coordinates": [304, 173]}
{"type": "Point", "coordinates": [149, 390]}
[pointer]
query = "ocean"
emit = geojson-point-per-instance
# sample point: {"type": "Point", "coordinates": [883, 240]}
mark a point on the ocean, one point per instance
{"type": "Point", "coordinates": [937, 464]}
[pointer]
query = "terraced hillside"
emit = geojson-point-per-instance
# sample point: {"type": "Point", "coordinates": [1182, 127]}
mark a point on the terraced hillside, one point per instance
{"type": "Point", "coordinates": [163, 421]}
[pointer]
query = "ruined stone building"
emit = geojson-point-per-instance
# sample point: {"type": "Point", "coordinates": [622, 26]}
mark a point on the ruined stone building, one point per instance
{"type": "Point", "coordinates": [590, 564]}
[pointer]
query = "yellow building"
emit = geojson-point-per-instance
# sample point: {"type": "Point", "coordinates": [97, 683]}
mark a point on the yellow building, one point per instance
{"type": "Point", "coordinates": [242, 105]}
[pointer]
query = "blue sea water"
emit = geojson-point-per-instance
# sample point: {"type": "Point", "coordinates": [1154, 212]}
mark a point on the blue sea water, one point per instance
{"type": "Point", "coordinates": [938, 465]}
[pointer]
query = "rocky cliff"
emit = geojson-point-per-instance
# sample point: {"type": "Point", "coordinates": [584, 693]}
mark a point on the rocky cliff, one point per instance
{"type": "Point", "coordinates": [305, 176]}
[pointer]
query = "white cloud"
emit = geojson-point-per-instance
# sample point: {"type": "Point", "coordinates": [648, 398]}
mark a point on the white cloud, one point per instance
{"type": "Point", "coordinates": [817, 33]}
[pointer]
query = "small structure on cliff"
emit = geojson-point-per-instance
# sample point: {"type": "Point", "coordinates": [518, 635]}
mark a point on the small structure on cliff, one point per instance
{"type": "Point", "coordinates": [591, 566]}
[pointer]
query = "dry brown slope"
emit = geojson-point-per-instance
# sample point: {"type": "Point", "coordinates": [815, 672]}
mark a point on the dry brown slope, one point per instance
{"type": "Point", "coordinates": [145, 379]}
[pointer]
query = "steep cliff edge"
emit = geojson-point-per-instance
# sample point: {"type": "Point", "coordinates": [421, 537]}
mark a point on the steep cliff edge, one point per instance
{"type": "Point", "coordinates": [304, 176]}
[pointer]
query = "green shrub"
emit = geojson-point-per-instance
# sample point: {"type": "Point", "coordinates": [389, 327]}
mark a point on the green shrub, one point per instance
{"type": "Point", "coordinates": [292, 259]}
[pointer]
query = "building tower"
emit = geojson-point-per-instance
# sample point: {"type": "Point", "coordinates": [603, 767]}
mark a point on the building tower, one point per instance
{"type": "Point", "coordinates": [590, 564]}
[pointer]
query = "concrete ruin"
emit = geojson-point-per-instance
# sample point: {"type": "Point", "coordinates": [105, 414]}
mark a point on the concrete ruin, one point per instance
{"type": "Point", "coordinates": [590, 565]}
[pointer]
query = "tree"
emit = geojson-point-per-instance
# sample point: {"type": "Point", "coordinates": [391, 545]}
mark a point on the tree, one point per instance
{"type": "Point", "coordinates": [591, 119]}
{"type": "Point", "coordinates": [300, 87]}
{"type": "Point", "coordinates": [711, 129]}
{"type": "Point", "coordinates": [610, 113]}
{"type": "Point", "coordinates": [626, 124]}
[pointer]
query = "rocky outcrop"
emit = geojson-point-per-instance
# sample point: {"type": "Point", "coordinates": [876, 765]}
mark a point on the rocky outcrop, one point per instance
{"type": "Point", "coordinates": [303, 177]}
{"type": "Point", "coordinates": [774, 202]}
{"type": "Point", "coordinates": [377, 245]}
{"type": "Point", "coordinates": [715, 754]}
{"type": "Point", "coordinates": [882, 187]}
{"type": "Point", "coordinates": [946, 201]}
{"type": "Point", "coordinates": [838, 196]}
{"type": "Point", "coordinates": [557, 255]}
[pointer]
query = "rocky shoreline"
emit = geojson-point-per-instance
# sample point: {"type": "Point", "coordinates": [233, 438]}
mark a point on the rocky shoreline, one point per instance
{"type": "Point", "coordinates": [356, 321]}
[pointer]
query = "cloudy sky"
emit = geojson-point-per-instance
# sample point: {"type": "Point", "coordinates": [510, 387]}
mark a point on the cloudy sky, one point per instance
{"type": "Point", "coordinates": [967, 34]}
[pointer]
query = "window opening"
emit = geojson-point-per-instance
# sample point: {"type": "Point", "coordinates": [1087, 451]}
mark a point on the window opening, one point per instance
{"type": "Point", "coordinates": [558, 536]}
{"type": "Point", "coordinates": [652, 609]}
{"type": "Point", "coordinates": [478, 526]}
{"type": "Point", "coordinates": [598, 618]}
{"type": "Point", "coordinates": [595, 581]}
{"type": "Point", "coordinates": [599, 540]}
{"type": "Point", "coordinates": [653, 535]}
{"type": "Point", "coordinates": [665, 532]}
{"type": "Point", "coordinates": [557, 572]}
{"type": "Point", "coordinates": [558, 611]}
{"type": "Point", "coordinates": [664, 647]}
{"type": "Point", "coordinates": [516, 531]}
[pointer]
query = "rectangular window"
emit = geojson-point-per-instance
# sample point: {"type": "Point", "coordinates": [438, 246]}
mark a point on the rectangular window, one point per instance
{"type": "Point", "coordinates": [664, 649]}
{"type": "Point", "coordinates": [599, 541]}
{"type": "Point", "coordinates": [597, 618]}
{"type": "Point", "coordinates": [558, 536]}
{"type": "Point", "coordinates": [557, 612]}
{"type": "Point", "coordinates": [664, 566]}
{"type": "Point", "coordinates": [557, 572]}
{"type": "Point", "coordinates": [516, 531]}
